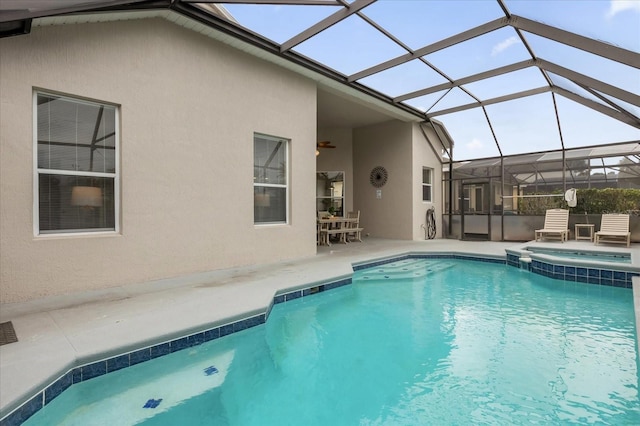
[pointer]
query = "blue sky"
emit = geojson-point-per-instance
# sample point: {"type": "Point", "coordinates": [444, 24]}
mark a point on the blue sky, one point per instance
{"type": "Point", "coordinates": [523, 125]}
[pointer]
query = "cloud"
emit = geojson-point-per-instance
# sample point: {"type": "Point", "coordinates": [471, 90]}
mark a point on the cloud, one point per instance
{"type": "Point", "coordinates": [504, 45]}
{"type": "Point", "coordinates": [618, 6]}
{"type": "Point", "coordinates": [474, 145]}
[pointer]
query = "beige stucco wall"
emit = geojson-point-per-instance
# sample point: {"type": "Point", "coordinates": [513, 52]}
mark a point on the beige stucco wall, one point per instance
{"type": "Point", "coordinates": [189, 108]}
{"type": "Point", "coordinates": [388, 145]}
{"type": "Point", "coordinates": [424, 156]}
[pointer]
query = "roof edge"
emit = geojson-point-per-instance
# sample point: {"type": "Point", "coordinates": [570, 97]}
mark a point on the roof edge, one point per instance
{"type": "Point", "coordinates": [218, 27]}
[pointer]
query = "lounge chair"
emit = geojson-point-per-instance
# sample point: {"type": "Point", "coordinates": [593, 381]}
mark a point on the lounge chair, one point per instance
{"type": "Point", "coordinates": [614, 228]}
{"type": "Point", "coordinates": [556, 224]}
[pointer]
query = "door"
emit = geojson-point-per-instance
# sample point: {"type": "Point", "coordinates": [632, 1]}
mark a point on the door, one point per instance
{"type": "Point", "coordinates": [476, 211]}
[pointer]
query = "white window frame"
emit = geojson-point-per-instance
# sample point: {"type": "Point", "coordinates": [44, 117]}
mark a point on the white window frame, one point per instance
{"type": "Point", "coordinates": [37, 171]}
{"type": "Point", "coordinates": [430, 184]}
{"type": "Point", "coordinates": [286, 185]}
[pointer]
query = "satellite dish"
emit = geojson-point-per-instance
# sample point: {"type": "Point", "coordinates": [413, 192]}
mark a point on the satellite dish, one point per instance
{"type": "Point", "coordinates": [570, 197]}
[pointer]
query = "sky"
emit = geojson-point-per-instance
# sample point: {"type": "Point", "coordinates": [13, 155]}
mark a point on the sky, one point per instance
{"type": "Point", "coordinates": [523, 125]}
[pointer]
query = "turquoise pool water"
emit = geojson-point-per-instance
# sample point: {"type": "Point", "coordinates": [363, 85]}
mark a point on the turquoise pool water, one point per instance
{"type": "Point", "coordinates": [413, 342]}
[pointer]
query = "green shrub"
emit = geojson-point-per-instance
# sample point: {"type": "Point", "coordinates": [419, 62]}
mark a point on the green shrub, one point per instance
{"type": "Point", "coordinates": [609, 200]}
{"type": "Point", "coordinates": [539, 205]}
{"type": "Point", "coordinates": [591, 201]}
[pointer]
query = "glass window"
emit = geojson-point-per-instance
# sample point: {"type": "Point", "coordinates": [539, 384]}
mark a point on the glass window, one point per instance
{"type": "Point", "coordinates": [330, 192]}
{"type": "Point", "coordinates": [77, 173]}
{"type": "Point", "coordinates": [270, 179]}
{"type": "Point", "coordinates": [427, 175]}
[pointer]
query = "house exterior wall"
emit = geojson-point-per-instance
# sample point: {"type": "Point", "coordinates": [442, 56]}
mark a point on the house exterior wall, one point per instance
{"type": "Point", "coordinates": [388, 145]}
{"type": "Point", "coordinates": [423, 156]}
{"type": "Point", "coordinates": [189, 107]}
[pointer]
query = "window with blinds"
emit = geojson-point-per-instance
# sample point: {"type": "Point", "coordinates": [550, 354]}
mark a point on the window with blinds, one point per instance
{"type": "Point", "coordinates": [270, 179]}
{"type": "Point", "coordinates": [427, 176]}
{"type": "Point", "coordinates": [77, 170]}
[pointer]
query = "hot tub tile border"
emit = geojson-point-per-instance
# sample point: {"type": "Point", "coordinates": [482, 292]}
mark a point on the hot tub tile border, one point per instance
{"type": "Point", "coordinates": [583, 274]}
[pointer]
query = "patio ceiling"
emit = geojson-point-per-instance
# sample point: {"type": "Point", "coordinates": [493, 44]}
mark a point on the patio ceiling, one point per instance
{"type": "Point", "coordinates": [504, 77]}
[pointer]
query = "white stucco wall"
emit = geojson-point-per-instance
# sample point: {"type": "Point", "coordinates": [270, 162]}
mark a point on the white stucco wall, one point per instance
{"type": "Point", "coordinates": [189, 108]}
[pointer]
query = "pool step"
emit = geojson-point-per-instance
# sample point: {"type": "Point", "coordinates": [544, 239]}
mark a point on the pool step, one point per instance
{"type": "Point", "coordinates": [404, 269]}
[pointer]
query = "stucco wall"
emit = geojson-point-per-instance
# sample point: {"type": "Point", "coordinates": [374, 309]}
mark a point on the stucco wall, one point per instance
{"type": "Point", "coordinates": [424, 156]}
{"type": "Point", "coordinates": [189, 108]}
{"type": "Point", "coordinates": [388, 145]}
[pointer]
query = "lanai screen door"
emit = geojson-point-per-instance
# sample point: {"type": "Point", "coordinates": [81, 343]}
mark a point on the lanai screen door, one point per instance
{"type": "Point", "coordinates": [476, 211]}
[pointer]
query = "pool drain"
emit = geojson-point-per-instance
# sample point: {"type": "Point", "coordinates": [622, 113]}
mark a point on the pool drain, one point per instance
{"type": "Point", "coordinates": [7, 333]}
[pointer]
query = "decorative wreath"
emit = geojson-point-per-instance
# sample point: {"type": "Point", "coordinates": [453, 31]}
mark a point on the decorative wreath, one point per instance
{"type": "Point", "coordinates": [378, 176]}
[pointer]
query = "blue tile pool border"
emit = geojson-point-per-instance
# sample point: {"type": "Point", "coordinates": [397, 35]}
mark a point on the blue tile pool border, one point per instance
{"type": "Point", "coordinates": [99, 368]}
{"type": "Point", "coordinates": [577, 273]}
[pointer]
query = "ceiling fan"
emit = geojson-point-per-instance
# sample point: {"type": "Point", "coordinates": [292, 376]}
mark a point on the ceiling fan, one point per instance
{"type": "Point", "coordinates": [325, 144]}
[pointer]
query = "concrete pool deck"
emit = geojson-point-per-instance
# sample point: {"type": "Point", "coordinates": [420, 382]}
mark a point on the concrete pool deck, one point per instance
{"type": "Point", "coordinates": [56, 334]}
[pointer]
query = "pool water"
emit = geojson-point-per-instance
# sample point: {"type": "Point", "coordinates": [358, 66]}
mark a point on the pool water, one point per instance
{"type": "Point", "coordinates": [411, 342]}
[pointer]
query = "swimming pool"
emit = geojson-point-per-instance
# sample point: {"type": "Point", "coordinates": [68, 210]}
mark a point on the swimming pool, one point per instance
{"type": "Point", "coordinates": [416, 341]}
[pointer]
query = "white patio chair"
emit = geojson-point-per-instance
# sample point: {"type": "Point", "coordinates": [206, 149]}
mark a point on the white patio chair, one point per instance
{"type": "Point", "coordinates": [355, 230]}
{"type": "Point", "coordinates": [614, 228]}
{"type": "Point", "coordinates": [556, 224]}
